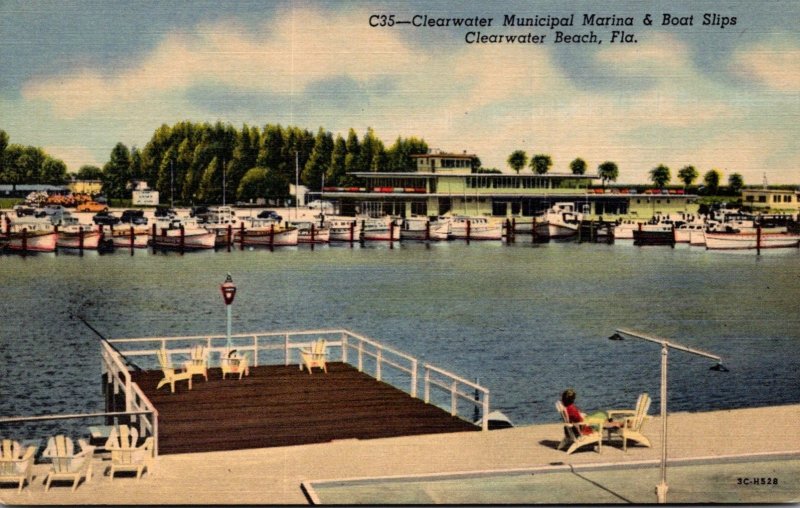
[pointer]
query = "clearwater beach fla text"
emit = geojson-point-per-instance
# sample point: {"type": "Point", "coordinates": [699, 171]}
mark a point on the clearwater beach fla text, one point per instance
{"type": "Point", "coordinates": [575, 28]}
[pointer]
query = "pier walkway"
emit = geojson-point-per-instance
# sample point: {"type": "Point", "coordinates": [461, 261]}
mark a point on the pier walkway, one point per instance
{"type": "Point", "coordinates": [280, 405]}
{"type": "Point", "coordinates": [275, 475]}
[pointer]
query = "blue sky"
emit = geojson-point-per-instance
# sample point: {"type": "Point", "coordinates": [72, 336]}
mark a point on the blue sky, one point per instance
{"type": "Point", "coordinates": [78, 77]}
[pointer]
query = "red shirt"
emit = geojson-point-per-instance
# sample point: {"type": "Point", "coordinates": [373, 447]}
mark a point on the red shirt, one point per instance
{"type": "Point", "coordinates": [575, 416]}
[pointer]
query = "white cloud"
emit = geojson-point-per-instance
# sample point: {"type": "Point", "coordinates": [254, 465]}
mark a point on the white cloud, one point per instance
{"type": "Point", "coordinates": [775, 64]}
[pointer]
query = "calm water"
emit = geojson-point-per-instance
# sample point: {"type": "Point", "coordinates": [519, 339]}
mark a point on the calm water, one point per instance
{"type": "Point", "coordinates": [526, 320]}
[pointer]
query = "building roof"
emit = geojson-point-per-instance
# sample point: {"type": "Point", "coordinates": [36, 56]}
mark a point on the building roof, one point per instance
{"type": "Point", "coordinates": [463, 155]}
{"type": "Point", "coordinates": [365, 174]}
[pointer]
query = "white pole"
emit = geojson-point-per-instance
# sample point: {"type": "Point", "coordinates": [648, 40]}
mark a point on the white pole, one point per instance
{"type": "Point", "coordinates": [228, 308]}
{"type": "Point", "coordinates": [661, 488]}
{"type": "Point", "coordinates": [296, 181]}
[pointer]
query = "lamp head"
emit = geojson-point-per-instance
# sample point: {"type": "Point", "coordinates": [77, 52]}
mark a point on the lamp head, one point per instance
{"type": "Point", "coordinates": [719, 367]}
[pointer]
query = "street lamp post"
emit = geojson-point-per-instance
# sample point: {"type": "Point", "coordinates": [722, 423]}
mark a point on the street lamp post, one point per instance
{"type": "Point", "coordinates": [661, 488]}
{"type": "Point", "coordinates": [228, 289]}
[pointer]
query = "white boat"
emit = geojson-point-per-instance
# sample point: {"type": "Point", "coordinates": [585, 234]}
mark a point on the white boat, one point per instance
{"type": "Point", "coordinates": [474, 228]}
{"type": "Point", "coordinates": [121, 236]}
{"type": "Point", "coordinates": [266, 232]}
{"type": "Point", "coordinates": [560, 221]}
{"type": "Point", "coordinates": [343, 229]}
{"type": "Point", "coordinates": [732, 241]}
{"type": "Point", "coordinates": [422, 228]}
{"type": "Point", "coordinates": [683, 233]}
{"type": "Point", "coordinates": [697, 238]}
{"type": "Point", "coordinates": [310, 232]}
{"type": "Point", "coordinates": [32, 236]}
{"type": "Point", "coordinates": [379, 229]}
{"type": "Point", "coordinates": [75, 236]}
{"type": "Point", "coordinates": [182, 234]}
{"type": "Point", "coordinates": [221, 221]}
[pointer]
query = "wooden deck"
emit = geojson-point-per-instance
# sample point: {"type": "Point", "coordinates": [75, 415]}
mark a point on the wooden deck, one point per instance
{"type": "Point", "coordinates": [283, 406]}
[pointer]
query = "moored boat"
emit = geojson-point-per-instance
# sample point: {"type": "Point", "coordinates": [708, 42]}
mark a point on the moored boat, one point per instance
{"type": "Point", "coordinates": [310, 232]}
{"type": "Point", "coordinates": [378, 229]}
{"type": "Point", "coordinates": [757, 240]}
{"type": "Point", "coordinates": [266, 232]}
{"type": "Point", "coordinates": [22, 239]}
{"type": "Point", "coordinates": [175, 234]}
{"type": "Point", "coordinates": [121, 236]}
{"type": "Point", "coordinates": [654, 234]}
{"type": "Point", "coordinates": [76, 236]}
{"type": "Point", "coordinates": [560, 221]}
{"type": "Point", "coordinates": [474, 228]}
{"type": "Point", "coordinates": [343, 229]}
{"type": "Point", "coordinates": [422, 228]}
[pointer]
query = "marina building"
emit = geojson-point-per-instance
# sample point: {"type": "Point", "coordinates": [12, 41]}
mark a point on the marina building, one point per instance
{"type": "Point", "coordinates": [774, 200]}
{"type": "Point", "coordinates": [445, 182]}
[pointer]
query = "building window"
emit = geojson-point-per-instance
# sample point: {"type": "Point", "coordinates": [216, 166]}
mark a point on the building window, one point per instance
{"type": "Point", "coordinates": [762, 199]}
{"type": "Point", "coordinates": [419, 208]}
{"type": "Point", "coordinates": [787, 198]}
{"type": "Point", "coordinates": [748, 199]}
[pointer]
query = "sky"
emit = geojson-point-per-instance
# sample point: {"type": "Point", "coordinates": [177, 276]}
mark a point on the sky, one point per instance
{"type": "Point", "coordinates": [77, 77]}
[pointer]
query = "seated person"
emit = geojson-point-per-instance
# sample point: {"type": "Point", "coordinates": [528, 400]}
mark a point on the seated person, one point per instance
{"type": "Point", "coordinates": [575, 415]}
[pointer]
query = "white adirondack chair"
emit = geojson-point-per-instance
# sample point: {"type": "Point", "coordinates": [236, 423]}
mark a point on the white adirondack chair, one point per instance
{"type": "Point", "coordinates": [576, 434]}
{"type": "Point", "coordinates": [198, 362]}
{"type": "Point", "coordinates": [171, 374]}
{"type": "Point", "coordinates": [316, 356]}
{"type": "Point", "coordinates": [125, 455]}
{"type": "Point", "coordinates": [68, 465]}
{"type": "Point", "coordinates": [631, 428]}
{"type": "Point", "coordinates": [16, 466]}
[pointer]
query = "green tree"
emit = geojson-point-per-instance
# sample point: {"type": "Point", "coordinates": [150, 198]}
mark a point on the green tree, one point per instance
{"type": "Point", "coordinates": [372, 152]}
{"type": "Point", "coordinates": [517, 160]}
{"type": "Point", "coordinates": [353, 158]}
{"type": "Point", "coordinates": [578, 166]}
{"type": "Point", "coordinates": [660, 176]}
{"type": "Point", "coordinates": [336, 172]}
{"type": "Point", "coordinates": [541, 163]}
{"type": "Point", "coordinates": [712, 179]}
{"type": "Point", "coordinates": [210, 189]}
{"type": "Point", "coordinates": [3, 146]}
{"type": "Point", "coordinates": [89, 172]}
{"type": "Point", "coordinates": [137, 171]}
{"type": "Point", "coordinates": [688, 174]}
{"type": "Point", "coordinates": [320, 160]}
{"type": "Point", "coordinates": [608, 172]}
{"type": "Point", "coordinates": [735, 183]}
{"type": "Point", "coordinates": [262, 183]}
{"type": "Point", "coordinates": [399, 154]}
{"type": "Point", "coordinates": [117, 172]}
{"type": "Point", "coordinates": [54, 171]}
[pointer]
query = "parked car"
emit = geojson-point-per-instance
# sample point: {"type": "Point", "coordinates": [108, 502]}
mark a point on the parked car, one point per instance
{"type": "Point", "coordinates": [269, 214]}
{"type": "Point", "coordinates": [198, 211]}
{"type": "Point", "coordinates": [321, 205]}
{"type": "Point", "coordinates": [105, 218]}
{"type": "Point", "coordinates": [23, 210]}
{"type": "Point", "coordinates": [165, 211]}
{"type": "Point", "coordinates": [92, 206]}
{"type": "Point", "coordinates": [51, 210]}
{"type": "Point", "coordinates": [135, 217]}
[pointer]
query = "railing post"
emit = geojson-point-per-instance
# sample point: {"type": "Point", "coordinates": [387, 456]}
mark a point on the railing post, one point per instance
{"type": "Point", "coordinates": [378, 362]}
{"type": "Point", "coordinates": [286, 350]}
{"type": "Point", "coordinates": [414, 378]}
{"type": "Point", "coordinates": [485, 418]}
{"type": "Point", "coordinates": [344, 348]}
{"type": "Point", "coordinates": [361, 356]}
{"type": "Point", "coordinates": [255, 350]}
{"type": "Point", "coordinates": [453, 402]}
{"type": "Point", "coordinates": [155, 433]}
{"type": "Point", "coordinates": [427, 384]}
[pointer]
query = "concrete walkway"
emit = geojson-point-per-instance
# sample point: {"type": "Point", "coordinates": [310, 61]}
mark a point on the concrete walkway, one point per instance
{"type": "Point", "coordinates": [274, 475]}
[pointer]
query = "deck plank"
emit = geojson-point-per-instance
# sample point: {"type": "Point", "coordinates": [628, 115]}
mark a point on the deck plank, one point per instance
{"type": "Point", "coordinates": [282, 406]}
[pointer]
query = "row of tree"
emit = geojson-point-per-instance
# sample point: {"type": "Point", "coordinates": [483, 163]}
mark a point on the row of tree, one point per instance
{"type": "Point", "coordinates": [608, 171]}
{"type": "Point", "coordinates": [199, 162]}
{"type": "Point", "coordinates": [661, 176]}
{"type": "Point", "coordinates": [29, 165]}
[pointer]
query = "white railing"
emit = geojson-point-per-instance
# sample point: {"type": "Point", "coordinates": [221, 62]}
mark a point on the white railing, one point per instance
{"type": "Point", "coordinates": [366, 354]}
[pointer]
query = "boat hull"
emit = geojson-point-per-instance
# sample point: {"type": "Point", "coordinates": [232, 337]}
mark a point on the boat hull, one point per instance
{"type": "Point", "coordinates": [191, 241]}
{"type": "Point", "coordinates": [553, 230]}
{"type": "Point", "coordinates": [644, 237]}
{"type": "Point", "coordinates": [697, 238]}
{"type": "Point", "coordinates": [72, 240]}
{"type": "Point", "coordinates": [122, 239]}
{"type": "Point", "coordinates": [269, 238]}
{"type": "Point", "coordinates": [391, 234]}
{"type": "Point", "coordinates": [345, 233]}
{"type": "Point", "coordinates": [35, 241]}
{"type": "Point", "coordinates": [742, 241]}
{"type": "Point", "coordinates": [435, 232]}
{"type": "Point", "coordinates": [321, 235]}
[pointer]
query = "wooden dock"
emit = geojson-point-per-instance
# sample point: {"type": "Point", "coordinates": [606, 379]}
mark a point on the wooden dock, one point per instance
{"type": "Point", "coordinates": [283, 406]}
